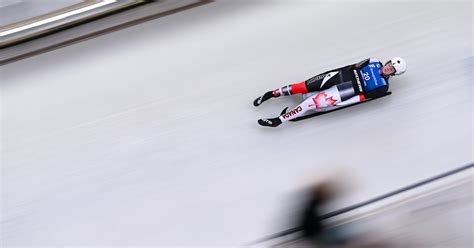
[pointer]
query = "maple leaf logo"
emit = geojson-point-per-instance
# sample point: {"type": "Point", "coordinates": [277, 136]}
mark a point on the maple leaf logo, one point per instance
{"type": "Point", "coordinates": [322, 100]}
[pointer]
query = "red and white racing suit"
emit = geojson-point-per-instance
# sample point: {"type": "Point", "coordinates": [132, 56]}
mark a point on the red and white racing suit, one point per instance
{"type": "Point", "coordinates": [339, 87]}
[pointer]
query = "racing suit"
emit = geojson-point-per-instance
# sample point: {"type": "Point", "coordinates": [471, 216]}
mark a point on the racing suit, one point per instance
{"type": "Point", "coordinates": [346, 85]}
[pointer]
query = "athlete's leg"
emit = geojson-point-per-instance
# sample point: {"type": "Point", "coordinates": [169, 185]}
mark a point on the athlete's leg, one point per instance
{"type": "Point", "coordinates": [320, 101]}
{"type": "Point", "coordinates": [317, 102]}
{"type": "Point", "coordinates": [316, 83]}
{"type": "Point", "coordinates": [287, 90]}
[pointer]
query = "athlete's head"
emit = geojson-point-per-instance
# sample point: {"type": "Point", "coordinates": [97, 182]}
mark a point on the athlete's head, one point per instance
{"type": "Point", "coordinates": [395, 66]}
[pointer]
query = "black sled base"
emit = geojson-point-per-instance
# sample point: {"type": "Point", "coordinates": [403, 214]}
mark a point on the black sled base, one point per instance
{"type": "Point", "coordinates": [332, 110]}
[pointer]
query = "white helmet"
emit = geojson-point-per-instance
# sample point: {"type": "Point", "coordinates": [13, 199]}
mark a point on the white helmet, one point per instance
{"type": "Point", "coordinates": [399, 64]}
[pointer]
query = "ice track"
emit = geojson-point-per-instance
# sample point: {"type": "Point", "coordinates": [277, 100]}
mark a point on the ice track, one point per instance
{"type": "Point", "coordinates": [148, 136]}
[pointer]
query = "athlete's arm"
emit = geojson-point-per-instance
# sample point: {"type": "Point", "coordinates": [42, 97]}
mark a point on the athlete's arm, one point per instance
{"type": "Point", "coordinates": [363, 63]}
{"type": "Point", "coordinates": [379, 92]}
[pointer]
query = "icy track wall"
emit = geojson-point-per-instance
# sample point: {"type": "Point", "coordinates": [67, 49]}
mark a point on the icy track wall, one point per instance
{"type": "Point", "coordinates": [147, 136]}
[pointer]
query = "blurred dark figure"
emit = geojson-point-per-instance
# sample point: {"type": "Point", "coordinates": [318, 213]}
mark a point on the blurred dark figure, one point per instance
{"type": "Point", "coordinates": [312, 226]}
{"type": "Point", "coordinates": [317, 232]}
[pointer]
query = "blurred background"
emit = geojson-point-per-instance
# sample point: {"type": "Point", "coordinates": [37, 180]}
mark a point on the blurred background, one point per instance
{"type": "Point", "coordinates": [130, 123]}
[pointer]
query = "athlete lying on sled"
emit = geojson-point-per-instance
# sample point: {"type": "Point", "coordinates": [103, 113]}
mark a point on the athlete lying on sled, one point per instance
{"type": "Point", "coordinates": [335, 89]}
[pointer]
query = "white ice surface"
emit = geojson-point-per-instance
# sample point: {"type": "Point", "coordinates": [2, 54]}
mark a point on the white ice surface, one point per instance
{"type": "Point", "coordinates": [147, 136]}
